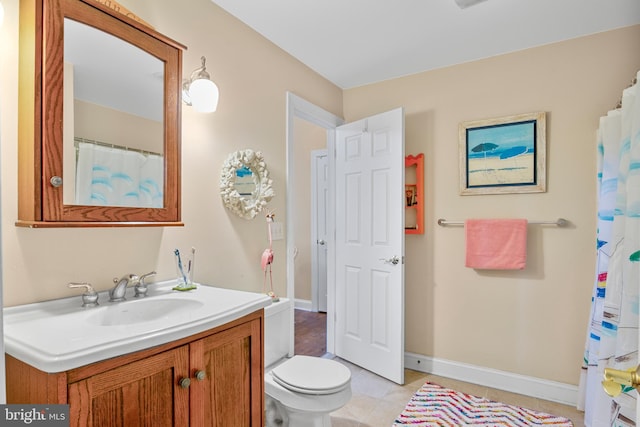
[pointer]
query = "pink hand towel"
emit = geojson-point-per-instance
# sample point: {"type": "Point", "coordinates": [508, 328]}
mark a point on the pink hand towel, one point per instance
{"type": "Point", "coordinates": [496, 244]}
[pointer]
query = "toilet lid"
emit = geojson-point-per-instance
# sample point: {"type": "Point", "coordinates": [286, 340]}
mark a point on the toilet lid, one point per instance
{"type": "Point", "coordinates": [312, 375]}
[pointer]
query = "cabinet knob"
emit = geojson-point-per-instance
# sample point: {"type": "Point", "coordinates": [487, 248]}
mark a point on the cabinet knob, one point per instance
{"type": "Point", "coordinates": [201, 375]}
{"type": "Point", "coordinates": [184, 382]}
{"type": "Point", "coordinates": [56, 181]}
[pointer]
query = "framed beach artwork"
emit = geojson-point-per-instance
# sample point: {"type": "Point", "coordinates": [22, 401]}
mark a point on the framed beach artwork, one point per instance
{"type": "Point", "coordinates": [503, 155]}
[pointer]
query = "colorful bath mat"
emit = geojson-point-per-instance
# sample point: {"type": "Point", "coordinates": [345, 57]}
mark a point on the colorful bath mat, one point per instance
{"type": "Point", "coordinates": [436, 406]}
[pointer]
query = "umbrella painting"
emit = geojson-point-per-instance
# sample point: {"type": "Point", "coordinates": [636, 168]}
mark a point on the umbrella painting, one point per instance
{"type": "Point", "coordinates": [501, 155]}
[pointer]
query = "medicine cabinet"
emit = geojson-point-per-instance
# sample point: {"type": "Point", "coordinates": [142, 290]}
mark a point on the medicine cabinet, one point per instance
{"type": "Point", "coordinates": [414, 194]}
{"type": "Point", "coordinates": [75, 98]}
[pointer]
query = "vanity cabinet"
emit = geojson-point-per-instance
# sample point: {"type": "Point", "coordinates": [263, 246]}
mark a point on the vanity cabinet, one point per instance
{"type": "Point", "coordinates": [141, 393]}
{"type": "Point", "coordinates": [215, 378]}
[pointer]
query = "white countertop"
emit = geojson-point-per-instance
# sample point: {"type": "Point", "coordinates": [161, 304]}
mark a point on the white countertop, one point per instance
{"type": "Point", "coordinates": [58, 335]}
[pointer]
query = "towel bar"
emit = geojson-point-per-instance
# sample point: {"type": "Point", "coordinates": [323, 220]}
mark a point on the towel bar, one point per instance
{"type": "Point", "coordinates": [560, 222]}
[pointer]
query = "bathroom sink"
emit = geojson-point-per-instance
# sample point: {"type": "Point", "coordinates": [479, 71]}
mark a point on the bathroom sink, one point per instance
{"type": "Point", "coordinates": [147, 310]}
{"type": "Point", "coordinates": [59, 335]}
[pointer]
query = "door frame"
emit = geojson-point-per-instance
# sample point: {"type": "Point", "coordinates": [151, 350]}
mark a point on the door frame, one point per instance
{"type": "Point", "coordinates": [316, 294]}
{"type": "Point", "coordinates": [302, 109]}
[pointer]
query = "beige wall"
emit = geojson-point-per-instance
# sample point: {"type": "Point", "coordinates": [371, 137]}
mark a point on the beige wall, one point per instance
{"type": "Point", "coordinates": [308, 137]}
{"type": "Point", "coordinates": [253, 76]}
{"type": "Point", "coordinates": [530, 322]}
{"type": "Point", "coordinates": [96, 123]}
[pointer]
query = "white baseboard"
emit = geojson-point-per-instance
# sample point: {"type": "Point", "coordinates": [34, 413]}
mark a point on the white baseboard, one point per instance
{"type": "Point", "coordinates": [515, 383]}
{"type": "Point", "coordinates": [302, 304]}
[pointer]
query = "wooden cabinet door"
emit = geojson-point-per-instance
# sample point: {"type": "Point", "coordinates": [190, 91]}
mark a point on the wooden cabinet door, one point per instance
{"type": "Point", "coordinates": [141, 393]}
{"type": "Point", "coordinates": [231, 393]}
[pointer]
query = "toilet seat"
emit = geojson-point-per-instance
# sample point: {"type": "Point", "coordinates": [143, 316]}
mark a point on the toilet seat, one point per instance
{"type": "Point", "coordinates": [312, 375]}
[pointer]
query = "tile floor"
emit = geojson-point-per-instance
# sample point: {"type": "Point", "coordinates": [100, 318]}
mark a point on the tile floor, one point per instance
{"type": "Point", "coordinates": [377, 401]}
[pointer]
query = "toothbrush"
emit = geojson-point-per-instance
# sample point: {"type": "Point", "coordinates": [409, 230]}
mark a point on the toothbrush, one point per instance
{"type": "Point", "coordinates": [177, 252]}
{"type": "Point", "coordinates": [192, 264]}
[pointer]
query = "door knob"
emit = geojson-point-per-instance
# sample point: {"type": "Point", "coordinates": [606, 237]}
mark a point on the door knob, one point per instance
{"type": "Point", "coordinates": [615, 381]}
{"type": "Point", "coordinates": [321, 242]}
{"type": "Point", "coordinates": [393, 260]}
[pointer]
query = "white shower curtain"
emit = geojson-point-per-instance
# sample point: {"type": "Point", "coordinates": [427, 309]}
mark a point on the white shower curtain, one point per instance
{"type": "Point", "coordinates": [612, 338]}
{"type": "Point", "coordinates": [118, 177]}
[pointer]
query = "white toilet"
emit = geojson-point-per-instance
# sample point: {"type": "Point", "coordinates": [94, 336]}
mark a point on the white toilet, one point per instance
{"type": "Point", "coordinates": [303, 390]}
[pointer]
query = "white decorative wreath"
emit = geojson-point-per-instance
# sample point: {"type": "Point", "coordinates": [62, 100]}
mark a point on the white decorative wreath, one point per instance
{"type": "Point", "coordinates": [243, 206]}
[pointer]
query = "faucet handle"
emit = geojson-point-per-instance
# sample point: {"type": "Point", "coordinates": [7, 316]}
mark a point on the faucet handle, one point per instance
{"type": "Point", "coordinates": [89, 297]}
{"type": "Point", "coordinates": [129, 277]}
{"type": "Point", "coordinates": [144, 276]}
{"type": "Point", "coordinates": [141, 287]}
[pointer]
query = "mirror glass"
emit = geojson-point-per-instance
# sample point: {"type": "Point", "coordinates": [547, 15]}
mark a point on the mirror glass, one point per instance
{"type": "Point", "coordinates": [245, 185]}
{"type": "Point", "coordinates": [113, 121]}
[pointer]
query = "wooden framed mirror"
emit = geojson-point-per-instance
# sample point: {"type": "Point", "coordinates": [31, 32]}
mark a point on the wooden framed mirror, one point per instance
{"type": "Point", "coordinates": [99, 118]}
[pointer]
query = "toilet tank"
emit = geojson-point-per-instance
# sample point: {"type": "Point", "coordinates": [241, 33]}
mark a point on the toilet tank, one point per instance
{"type": "Point", "coordinates": [277, 327]}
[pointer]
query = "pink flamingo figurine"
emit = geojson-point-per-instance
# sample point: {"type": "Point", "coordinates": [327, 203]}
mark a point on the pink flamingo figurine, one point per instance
{"type": "Point", "coordinates": [267, 260]}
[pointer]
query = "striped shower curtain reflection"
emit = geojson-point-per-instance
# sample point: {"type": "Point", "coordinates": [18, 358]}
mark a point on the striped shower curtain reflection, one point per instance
{"type": "Point", "coordinates": [111, 176]}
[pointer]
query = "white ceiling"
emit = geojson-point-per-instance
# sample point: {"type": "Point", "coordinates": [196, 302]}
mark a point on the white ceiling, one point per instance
{"type": "Point", "coordinates": [357, 42]}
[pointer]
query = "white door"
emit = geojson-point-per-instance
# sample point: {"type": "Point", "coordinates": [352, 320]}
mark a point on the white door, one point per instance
{"type": "Point", "coordinates": [369, 244]}
{"type": "Point", "coordinates": [319, 198]}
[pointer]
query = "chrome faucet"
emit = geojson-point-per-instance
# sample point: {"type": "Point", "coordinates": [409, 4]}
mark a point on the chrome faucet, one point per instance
{"type": "Point", "coordinates": [117, 293]}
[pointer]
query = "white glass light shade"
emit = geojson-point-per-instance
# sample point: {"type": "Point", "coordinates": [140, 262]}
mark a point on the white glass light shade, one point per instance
{"type": "Point", "coordinates": [204, 95]}
{"type": "Point", "coordinates": [463, 4]}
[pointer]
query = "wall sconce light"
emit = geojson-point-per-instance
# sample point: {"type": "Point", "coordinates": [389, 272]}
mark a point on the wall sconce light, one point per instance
{"type": "Point", "coordinates": [199, 91]}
